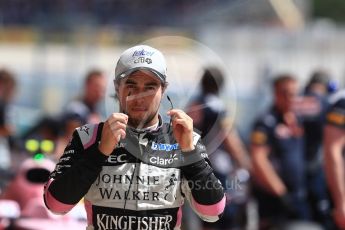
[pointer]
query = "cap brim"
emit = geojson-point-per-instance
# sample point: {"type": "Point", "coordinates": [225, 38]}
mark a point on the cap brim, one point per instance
{"type": "Point", "coordinates": [129, 72]}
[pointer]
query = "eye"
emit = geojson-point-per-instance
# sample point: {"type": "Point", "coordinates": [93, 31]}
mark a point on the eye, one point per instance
{"type": "Point", "coordinates": [150, 88]}
{"type": "Point", "coordinates": [130, 86]}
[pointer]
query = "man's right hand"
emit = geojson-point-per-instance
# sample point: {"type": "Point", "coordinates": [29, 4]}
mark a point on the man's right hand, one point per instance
{"type": "Point", "coordinates": [114, 129]}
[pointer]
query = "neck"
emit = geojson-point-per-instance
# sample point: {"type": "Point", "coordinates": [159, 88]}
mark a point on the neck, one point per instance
{"type": "Point", "coordinates": [144, 123]}
{"type": "Point", "coordinates": [282, 110]}
{"type": "Point", "coordinates": [88, 102]}
{"type": "Point", "coordinates": [149, 128]}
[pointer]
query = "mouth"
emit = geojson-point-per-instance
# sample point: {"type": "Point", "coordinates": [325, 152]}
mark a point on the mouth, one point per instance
{"type": "Point", "coordinates": [138, 109]}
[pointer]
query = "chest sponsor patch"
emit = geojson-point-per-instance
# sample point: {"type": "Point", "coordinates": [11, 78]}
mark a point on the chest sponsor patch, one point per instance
{"type": "Point", "coordinates": [104, 221]}
{"type": "Point", "coordinates": [164, 147]}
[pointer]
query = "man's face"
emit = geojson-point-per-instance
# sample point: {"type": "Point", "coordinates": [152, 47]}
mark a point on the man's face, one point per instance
{"type": "Point", "coordinates": [139, 95]}
{"type": "Point", "coordinates": [285, 95]}
{"type": "Point", "coordinates": [95, 89]}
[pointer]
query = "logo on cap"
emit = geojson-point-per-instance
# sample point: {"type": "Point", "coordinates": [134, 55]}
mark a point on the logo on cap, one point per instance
{"type": "Point", "coordinates": [141, 57]}
{"type": "Point", "coordinates": [143, 60]}
{"type": "Point", "coordinates": [143, 53]}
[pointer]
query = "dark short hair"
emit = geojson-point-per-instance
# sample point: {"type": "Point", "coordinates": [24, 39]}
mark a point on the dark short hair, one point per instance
{"type": "Point", "coordinates": [282, 78]}
{"type": "Point", "coordinates": [7, 78]}
{"type": "Point", "coordinates": [91, 74]}
{"type": "Point", "coordinates": [212, 80]}
{"type": "Point", "coordinates": [319, 76]}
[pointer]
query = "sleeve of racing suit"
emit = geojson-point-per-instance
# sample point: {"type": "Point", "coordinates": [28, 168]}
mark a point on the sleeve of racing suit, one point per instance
{"type": "Point", "coordinates": [202, 189]}
{"type": "Point", "coordinates": [75, 172]}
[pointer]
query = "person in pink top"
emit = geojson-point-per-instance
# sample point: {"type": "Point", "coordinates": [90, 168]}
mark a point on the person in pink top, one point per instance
{"type": "Point", "coordinates": [28, 182]}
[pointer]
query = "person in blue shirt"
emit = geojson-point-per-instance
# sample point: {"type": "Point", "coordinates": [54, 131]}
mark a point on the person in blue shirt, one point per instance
{"type": "Point", "coordinates": [315, 99]}
{"type": "Point", "coordinates": [334, 149]}
{"type": "Point", "coordinates": [277, 151]}
{"type": "Point", "coordinates": [86, 105]}
{"type": "Point", "coordinates": [227, 152]}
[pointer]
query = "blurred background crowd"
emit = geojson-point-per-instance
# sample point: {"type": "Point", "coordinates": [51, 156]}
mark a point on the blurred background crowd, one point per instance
{"type": "Point", "coordinates": [244, 70]}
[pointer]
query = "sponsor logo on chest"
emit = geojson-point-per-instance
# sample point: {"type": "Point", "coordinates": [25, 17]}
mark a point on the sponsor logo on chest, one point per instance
{"type": "Point", "coordinates": [163, 161]}
{"type": "Point", "coordinates": [164, 147]}
{"type": "Point", "coordinates": [117, 158]}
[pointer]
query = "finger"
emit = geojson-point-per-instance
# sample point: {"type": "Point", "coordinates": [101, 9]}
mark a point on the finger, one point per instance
{"type": "Point", "coordinates": [114, 127]}
{"type": "Point", "coordinates": [183, 122]}
{"type": "Point", "coordinates": [175, 112]}
{"type": "Point", "coordinates": [178, 114]}
{"type": "Point", "coordinates": [118, 125]}
{"type": "Point", "coordinates": [183, 117]}
{"type": "Point", "coordinates": [118, 117]}
{"type": "Point", "coordinates": [119, 134]}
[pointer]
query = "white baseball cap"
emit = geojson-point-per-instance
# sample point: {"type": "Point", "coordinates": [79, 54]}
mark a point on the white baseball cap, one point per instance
{"type": "Point", "coordinates": [141, 57]}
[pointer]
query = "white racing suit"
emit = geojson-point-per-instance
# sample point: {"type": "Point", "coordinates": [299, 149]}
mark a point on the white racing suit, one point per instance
{"type": "Point", "coordinates": [141, 185]}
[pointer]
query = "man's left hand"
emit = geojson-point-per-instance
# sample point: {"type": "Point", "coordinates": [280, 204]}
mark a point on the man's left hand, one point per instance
{"type": "Point", "coordinates": [182, 126]}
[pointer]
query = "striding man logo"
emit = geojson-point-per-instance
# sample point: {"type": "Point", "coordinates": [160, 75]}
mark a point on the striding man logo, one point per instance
{"type": "Point", "coordinates": [172, 181]}
{"type": "Point", "coordinates": [85, 129]}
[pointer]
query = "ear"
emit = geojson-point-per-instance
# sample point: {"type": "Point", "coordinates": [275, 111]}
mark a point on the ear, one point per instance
{"type": "Point", "coordinates": [116, 87]}
{"type": "Point", "coordinates": [164, 87]}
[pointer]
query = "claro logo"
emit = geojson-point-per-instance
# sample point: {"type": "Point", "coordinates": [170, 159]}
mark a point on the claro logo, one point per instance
{"type": "Point", "coordinates": [163, 161]}
{"type": "Point", "coordinates": [164, 147]}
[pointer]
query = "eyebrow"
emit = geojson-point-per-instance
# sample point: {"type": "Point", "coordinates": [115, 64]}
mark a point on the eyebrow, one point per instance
{"type": "Point", "coordinates": [151, 83]}
{"type": "Point", "coordinates": [129, 81]}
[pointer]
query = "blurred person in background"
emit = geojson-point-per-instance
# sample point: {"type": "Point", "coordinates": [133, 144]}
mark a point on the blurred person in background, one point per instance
{"type": "Point", "coordinates": [79, 111]}
{"type": "Point", "coordinates": [28, 183]}
{"type": "Point", "coordinates": [334, 149]}
{"type": "Point", "coordinates": [315, 105]}
{"type": "Point", "coordinates": [22, 202]}
{"type": "Point", "coordinates": [277, 152]}
{"type": "Point", "coordinates": [7, 91]}
{"type": "Point", "coordinates": [86, 105]}
{"type": "Point", "coordinates": [69, 122]}
{"type": "Point", "coordinates": [82, 110]}
{"type": "Point", "coordinates": [211, 118]}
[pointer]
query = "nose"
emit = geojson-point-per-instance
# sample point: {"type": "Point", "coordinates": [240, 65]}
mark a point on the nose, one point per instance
{"type": "Point", "coordinates": [141, 94]}
{"type": "Point", "coordinates": [135, 97]}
